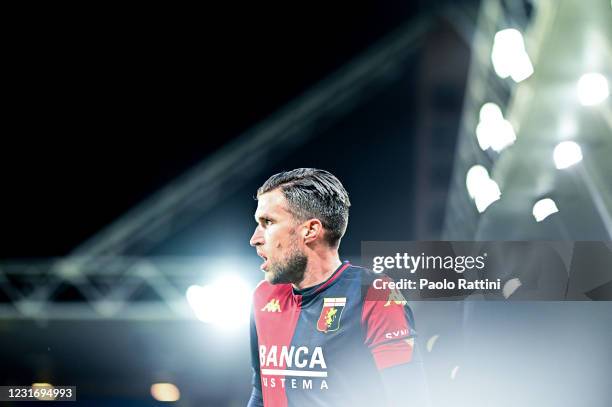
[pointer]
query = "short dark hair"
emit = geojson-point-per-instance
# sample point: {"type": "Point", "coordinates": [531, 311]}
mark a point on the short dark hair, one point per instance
{"type": "Point", "coordinates": [314, 193]}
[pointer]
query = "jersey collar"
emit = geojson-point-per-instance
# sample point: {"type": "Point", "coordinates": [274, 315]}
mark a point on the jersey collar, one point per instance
{"type": "Point", "coordinates": [310, 292]}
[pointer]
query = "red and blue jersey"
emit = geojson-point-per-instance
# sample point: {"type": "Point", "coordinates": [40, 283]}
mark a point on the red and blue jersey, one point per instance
{"type": "Point", "coordinates": [326, 345]}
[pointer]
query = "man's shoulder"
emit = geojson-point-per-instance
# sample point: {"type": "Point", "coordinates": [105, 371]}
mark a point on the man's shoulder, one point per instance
{"type": "Point", "coordinates": [265, 289]}
{"type": "Point", "coordinates": [366, 278]}
{"type": "Point", "coordinates": [371, 288]}
{"type": "Point", "coordinates": [366, 275]}
{"type": "Point", "coordinates": [271, 298]}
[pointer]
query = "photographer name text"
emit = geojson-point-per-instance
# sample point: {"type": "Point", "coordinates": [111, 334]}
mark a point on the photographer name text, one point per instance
{"type": "Point", "coordinates": [445, 284]}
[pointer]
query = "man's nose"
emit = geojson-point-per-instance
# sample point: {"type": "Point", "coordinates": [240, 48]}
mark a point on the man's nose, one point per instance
{"type": "Point", "coordinates": [257, 238]}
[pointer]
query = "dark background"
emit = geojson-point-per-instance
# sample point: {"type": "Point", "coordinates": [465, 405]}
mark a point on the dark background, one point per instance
{"type": "Point", "coordinates": [107, 107]}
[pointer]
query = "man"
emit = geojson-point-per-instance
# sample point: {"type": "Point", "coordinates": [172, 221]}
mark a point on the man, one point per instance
{"type": "Point", "coordinates": [319, 335]}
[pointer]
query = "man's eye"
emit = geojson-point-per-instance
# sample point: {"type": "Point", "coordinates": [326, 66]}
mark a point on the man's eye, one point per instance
{"type": "Point", "coordinates": [267, 221]}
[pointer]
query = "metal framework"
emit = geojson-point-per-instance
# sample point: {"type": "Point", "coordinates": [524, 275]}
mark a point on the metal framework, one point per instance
{"type": "Point", "coordinates": [125, 288]}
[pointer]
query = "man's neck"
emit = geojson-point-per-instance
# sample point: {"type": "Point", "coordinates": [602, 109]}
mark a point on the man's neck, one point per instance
{"type": "Point", "coordinates": [319, 269]}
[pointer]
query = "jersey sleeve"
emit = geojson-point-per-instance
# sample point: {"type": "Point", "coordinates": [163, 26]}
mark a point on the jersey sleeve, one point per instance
{"type": "Point", "coordinates": [387, 322]}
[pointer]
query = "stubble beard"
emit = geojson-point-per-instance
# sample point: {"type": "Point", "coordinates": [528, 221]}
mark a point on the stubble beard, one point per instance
{"type": "Point", "coordinates": [291, 271]}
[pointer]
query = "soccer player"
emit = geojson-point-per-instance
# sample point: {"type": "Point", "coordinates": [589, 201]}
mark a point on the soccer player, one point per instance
{"type": "Point", "coordinates": [319, 335]}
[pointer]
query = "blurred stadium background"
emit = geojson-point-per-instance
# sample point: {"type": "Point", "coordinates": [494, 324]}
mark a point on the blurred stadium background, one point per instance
{"type": "Point", "coordinates": [135, 148]}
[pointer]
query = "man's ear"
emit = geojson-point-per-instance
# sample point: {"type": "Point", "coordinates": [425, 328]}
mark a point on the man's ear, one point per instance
{"type": "Point", "coordinates": [313, 230]}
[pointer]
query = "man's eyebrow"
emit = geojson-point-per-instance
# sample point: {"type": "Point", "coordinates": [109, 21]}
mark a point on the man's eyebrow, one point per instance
{"type": "Point", "coordinates": [262, 216]}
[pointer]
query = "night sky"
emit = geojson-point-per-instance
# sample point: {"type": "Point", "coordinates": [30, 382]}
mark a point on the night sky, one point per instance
{"type": "Point", "coordinates": [105, 109]}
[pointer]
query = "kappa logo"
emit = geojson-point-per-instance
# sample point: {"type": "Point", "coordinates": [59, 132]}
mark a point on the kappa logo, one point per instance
{"type": "Point", "coordinates": [329, 320]}
{"type": "Point", "coordinates": [395, 297]}
{"type": "Point", "coordinates": [272, 306]}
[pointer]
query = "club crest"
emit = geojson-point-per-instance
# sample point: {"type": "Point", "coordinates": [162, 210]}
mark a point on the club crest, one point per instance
{"type": "Point", "coordinates": [329, 320]}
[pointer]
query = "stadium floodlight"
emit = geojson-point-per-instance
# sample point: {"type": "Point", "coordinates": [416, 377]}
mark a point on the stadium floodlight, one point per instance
{"type": "Point", "coordinates": [201, 300]}
{"type": "Point", "coordinates": [496, 135]}
{"type": "Point", "coordinates": [45, 391]}
{"type": "Point", "coordinates": [566, 154]}
{"type": "Point", "coordinates": [487, 196]}
{"type": "Point", "coordinates": [166, 392]}
{"type": "Point", "coordinates": [544, 208]}
{"type": "Point", "coordinates": [483, 135]}
{"type": "Point", "coordinates": [509, 56]}
{"type": "Point", "coordinates": [592, 89]}
{"type": "Point", "coordinates": [493, 131]}
{"type": "Point", "coordinates": [476, 178]}
{"type": "Point", "coordinates": [230, 291]}
{"type": "Point", "coordinates": [490, 112]}
{"type": "Point", "coordinates": [481, 187]}
{"type": "Point", "coordinates": [511, 286]}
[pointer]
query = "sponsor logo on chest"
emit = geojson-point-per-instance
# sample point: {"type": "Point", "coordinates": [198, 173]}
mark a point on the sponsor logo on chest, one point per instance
{"type": "Point", "coordinates": [296, 367]}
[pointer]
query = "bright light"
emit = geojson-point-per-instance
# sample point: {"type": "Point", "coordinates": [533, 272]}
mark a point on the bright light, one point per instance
{"type": "Point", "coordinates": [165, 392]}
{"type": "Point", "coordinates": [431, 342]}
{"type": "Point", "coordinates": [45, 391]}
{"type": "Point", "coordinates": [481, 187]}
{"type": "Point", "coordinates": [509, 56]}
{"type": "Point", "coordinates": [510, 287]}
{"type": "Point", "coordinates": [544, 208]}
{"type": "Point", "coordinates": [477, 176]}
{"type": "Point", "coordinates": [225, 303]}
{"type": "Point", "coordinates": [487, 196]}
{"type": "Point", "coordinates": [454, 372]}
{"type": "Point", "coordinates": [490, 112]}
{"type": "Point", "coordinates": [496, 135]}
{"type": "Point", "coordinates": [493, 130]}
{"type": "Point", "coordinates": [566, 154]}
{"type": "Point", "coordinates": [483, 134]}
{"type": "Point", "coordinates": [592, 89]}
